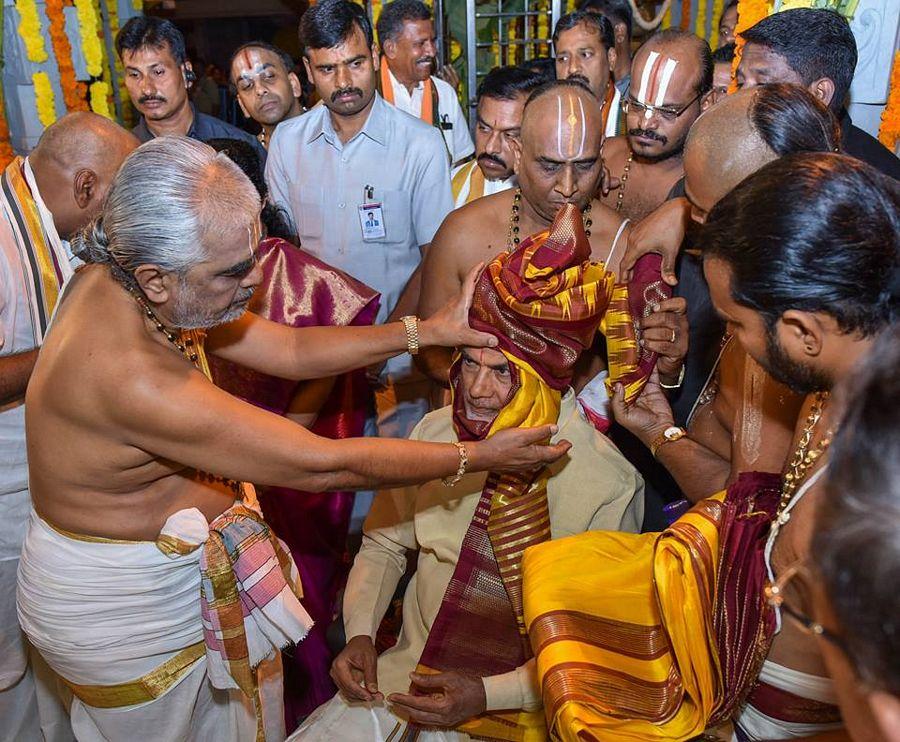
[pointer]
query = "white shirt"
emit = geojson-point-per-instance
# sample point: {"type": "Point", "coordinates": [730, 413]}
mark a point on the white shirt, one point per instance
{"type": "Point", "coordinates": [321, 183]}
{"type": "Point", "coordinates": [17, 336]}
{"type": "Point", "coordinates": [457, 137]}
{"type": "Point", "coordinates": [615, 110]}
{"type": "Point", "coordinates": [490, 186]}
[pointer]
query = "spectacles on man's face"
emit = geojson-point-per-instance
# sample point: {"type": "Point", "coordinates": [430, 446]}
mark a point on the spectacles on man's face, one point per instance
{"type": "Point", "coordinates": [775, 597]}
{"type": "Point", "coordinates": [666, 113]}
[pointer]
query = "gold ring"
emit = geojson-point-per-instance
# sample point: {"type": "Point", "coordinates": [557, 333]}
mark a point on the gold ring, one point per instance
{"type": "Point", "coordinates": [673, 336]}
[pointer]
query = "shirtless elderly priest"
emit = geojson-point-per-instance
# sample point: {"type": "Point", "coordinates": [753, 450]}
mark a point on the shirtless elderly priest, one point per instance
{"type": "Point", "coordinates": [148, 579]}
{"type": "Point", "coordinates": [462, 634]}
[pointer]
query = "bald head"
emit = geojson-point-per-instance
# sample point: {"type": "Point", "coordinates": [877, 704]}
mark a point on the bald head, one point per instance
{"type": "Point", "coordinates": [558, 157]}
{"type": "Point", "coordinates": [746, 130]}
{"type": "Point", "coordinates": [722, 149]}
{"type": "Point", "coordinates": [565, 114]}
{"type": "Point", "coordinates": [74, 164]}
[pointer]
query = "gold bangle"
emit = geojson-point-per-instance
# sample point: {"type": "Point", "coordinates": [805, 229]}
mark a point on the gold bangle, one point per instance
{"type": "Point", "coordinates": [461, 470]}
{"type": "Point", "coordinates": [677, 384]}
{"type": "Point", "coordinates": [411, 323]}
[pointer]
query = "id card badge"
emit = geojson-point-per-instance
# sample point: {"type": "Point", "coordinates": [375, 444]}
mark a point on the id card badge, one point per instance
{"type": "Point", "coordinates": [371, 221]}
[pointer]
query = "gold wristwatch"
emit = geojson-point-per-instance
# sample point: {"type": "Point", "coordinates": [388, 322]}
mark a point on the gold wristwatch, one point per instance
{"type": "Point", "coordinates": [411, 323]}
{"type": "Point", "coordinates": [670, 434]}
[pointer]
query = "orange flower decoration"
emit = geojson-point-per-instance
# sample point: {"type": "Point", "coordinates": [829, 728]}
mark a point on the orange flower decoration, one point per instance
{"type": "Point", "coordinates": [6, 150]}
{"type": "Point", "coordinates": [73, 91]}
{"type": "Point", "coordinates": [889, 134]}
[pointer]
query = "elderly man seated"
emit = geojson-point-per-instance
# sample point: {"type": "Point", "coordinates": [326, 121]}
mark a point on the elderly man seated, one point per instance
{"type": "Point", "coordinates": [463, 664]}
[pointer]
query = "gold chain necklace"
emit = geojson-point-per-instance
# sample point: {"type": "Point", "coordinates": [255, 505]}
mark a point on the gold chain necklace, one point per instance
{"type": "Point", "coordinates": [512, 233]}
{"type": "Point", "coordinates": [185, 346]}
{"type": "Point", "coordinates": [623, 181]}
{"type": "Point", "coordinates": [804, 457]}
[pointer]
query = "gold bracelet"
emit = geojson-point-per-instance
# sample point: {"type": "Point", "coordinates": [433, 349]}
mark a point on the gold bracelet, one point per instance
{"type": "Point", "coordinates": [677, 384]}
{"type": "Point", "coordinates": [463, 465]}
{"type": "Point", "coordinates": [411, 323]}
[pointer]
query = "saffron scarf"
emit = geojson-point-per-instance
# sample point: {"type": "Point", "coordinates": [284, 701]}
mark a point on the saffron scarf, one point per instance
{"type": "Point", "coordinates": [544, 302]}
{"type": "Point", "coordinates": [44, 264]}
{"type": "Point", "coordinates": [430, 113]}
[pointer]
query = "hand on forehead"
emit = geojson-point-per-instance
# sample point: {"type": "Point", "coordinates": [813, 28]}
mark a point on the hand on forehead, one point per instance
{"type": "Point", "coordinates": [567, 121]}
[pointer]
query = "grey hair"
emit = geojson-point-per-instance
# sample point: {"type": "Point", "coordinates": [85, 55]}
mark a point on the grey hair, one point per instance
{"type": "Point", "coordinates": [170, 197]}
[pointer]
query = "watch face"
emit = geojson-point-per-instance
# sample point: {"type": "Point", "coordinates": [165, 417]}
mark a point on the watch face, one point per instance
{"type": "Point", "coordinates": [672, 433]}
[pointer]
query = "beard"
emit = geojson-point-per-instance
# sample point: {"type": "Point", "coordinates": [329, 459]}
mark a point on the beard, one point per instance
{"type": "Point", "coordinates": [799, 377]}
{"type": "Point", "coordinates": [190, 313]}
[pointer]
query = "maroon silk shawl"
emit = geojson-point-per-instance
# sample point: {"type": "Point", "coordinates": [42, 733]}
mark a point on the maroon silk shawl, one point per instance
{"type": "Point", "coordinates": [743, 621]}
{"type": "Point", "coordinates": [299, 290]}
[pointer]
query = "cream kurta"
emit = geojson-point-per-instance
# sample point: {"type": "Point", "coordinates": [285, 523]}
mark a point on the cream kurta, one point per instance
{"type": "Point", "coordinates": [593, 488]}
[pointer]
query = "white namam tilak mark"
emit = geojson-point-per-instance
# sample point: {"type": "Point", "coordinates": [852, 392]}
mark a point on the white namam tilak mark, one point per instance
{"type": "Point", "coordinates": [559, 126]}
{"type": "Point", "coordinates": [655, 80]}
{"type": "Point", "coordinates": [645, 77]}
{"type": "Point", "coordinates": [668, 71]}
{"type": "Point", "coordinates": [567, 128]}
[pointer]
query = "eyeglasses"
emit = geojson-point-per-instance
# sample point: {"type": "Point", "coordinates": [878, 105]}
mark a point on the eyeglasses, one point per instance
{"type": "Point", "coordinates": [666, 114]}
{"type": "Point", "coordinates": [775, 597]}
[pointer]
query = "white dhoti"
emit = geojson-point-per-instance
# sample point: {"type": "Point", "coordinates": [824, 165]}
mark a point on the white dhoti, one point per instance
{"type": "Point", "coordinates": [339, 719]}
{"type": "Point", "coordinates": [120, 622]}
{"type": "Point", "coordinates": [755, 725]}
{"type": "Point", "coordinates": [30, 706]}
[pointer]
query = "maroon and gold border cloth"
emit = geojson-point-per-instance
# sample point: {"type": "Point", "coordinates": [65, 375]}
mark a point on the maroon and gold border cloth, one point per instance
{"type": "Point", "coordinates": [544, 303]}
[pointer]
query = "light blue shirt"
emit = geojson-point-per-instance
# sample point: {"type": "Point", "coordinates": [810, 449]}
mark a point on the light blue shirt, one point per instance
{"type": "Point", "coordinates": [321, 182]}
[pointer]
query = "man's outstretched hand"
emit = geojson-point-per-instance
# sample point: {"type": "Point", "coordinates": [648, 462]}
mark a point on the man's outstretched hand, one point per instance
{"type": "Point", "coordinates": [449, 326]}
{"type": "Point", "coordinates": [661, 231]}
{"type": "Point", "coordinates": [354, 670]}
{"type": "Point", "coordinates": [516, 449]}
{"type": "Point", "coordinates": [451, 698]}
{"type": "Point", "coordinates": [666, 332]}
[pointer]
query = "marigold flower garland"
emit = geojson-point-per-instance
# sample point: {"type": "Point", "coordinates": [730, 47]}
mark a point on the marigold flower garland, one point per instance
{"type": "Point", "coordinates": [718, 7]}
{"type": "Point", "coordinates": [6, 150]}
{"type": "Point", "coordinates": [90, 36]}
{"type": "Point", "coordinates": [700, 20]}
{"type": "Point", "coordinates": [44, 98]}
{"type": "Point", "coordinates": [889, 133]}
{"type": "Point", "coordinates": [73, 91]}
{"type": "Point", "coordinates": [30, 31]}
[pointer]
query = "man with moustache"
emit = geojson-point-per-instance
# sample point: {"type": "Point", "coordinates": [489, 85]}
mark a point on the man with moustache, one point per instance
{"type": "Point", "coordinates": [727, 23]}
{"type": "Point", "coordinates": [353, 155]}
{"type": "Point", "coordinates": [408, 57]}
{"type": "Point", "coordinates": [557, 161]}
{"type": "Point", "coordinates": [815, 48]}
{"type": "Point", "coordinates": [806, 291]}
{"type": "Point", "coordinates": [621, 16]}
{"type": "Point", "coordinates": [158, 76]}
{"type": "Point", "coordinates": [267, 88]}
{"type": "Point", "coordinates": [501, 99]}
{"type": "Point", "coordinates": [671, 81]}
{"type": "Point", "coordinates": [584, 46]}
